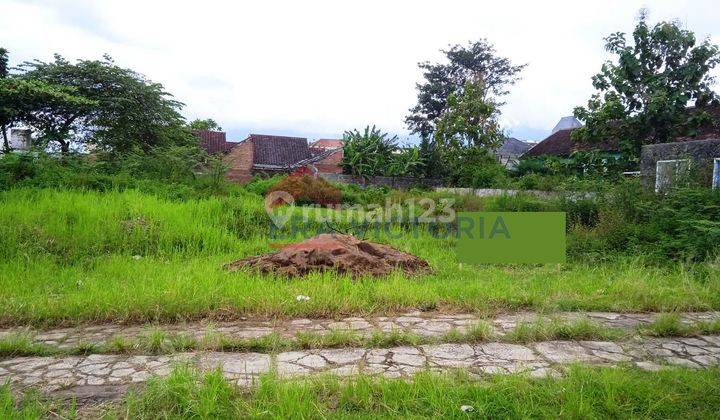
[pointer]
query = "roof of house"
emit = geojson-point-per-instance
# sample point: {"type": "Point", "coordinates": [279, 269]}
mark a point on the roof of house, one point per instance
{"type": "Point", "coordinates": [566, 123]}
{"type": "Point", "coordinates": [214, 141]}
{"type": "Point", "coordinates": [513, 147]}
{"type": "Point", "coordinates": [327, 143]}
{"type": "Point", "coordinates": [278, 150]}
{"type": "Point", "coordinates": [562, 144]}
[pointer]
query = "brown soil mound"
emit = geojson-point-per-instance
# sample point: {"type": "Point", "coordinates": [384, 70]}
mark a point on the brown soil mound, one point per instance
{"type": "Point", "coordinates": [342, 253]}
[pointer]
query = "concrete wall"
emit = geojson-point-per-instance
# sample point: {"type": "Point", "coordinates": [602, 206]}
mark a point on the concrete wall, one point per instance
{"type": "Point", "coordinates": [400, 183]}
{"type": "Point", "coordinates": [494, 192]}
{"type": "Point", "coordinates": [700, 152]}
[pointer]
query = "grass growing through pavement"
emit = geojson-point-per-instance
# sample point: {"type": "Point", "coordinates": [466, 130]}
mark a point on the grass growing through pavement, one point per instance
{"type": "Point", "coordinates": [555, 329]}
{"type": "Point", "coordinates": [68, 257]}
{"type": "Point", "coordinates": [670, 325]}
{"type": "Point", "coordinates": [583, 393]}
{"type": "Point", "coordinates": [157, 341]}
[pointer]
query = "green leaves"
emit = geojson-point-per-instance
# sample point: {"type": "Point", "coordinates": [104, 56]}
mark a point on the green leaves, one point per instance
{"type": "Point", "coordinates": [470, 119]}
{"type": "Point", "coordinates": [477, 60]}
{"type": "Point", "coordinates": [643, 94]}
{"type": "Point", "coordinates": [373, 153]}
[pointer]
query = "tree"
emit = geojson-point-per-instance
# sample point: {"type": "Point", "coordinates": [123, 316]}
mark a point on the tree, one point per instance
{"type": "Point", "coordinates": [127, 111]}
{"type": "Point", "coordinates": [477, 61]}
{"type": "Point", "coordinates": [37, 102]}
{"type": "Point", "coordinates": [643, 96]}
{"type": "Point", "coordinates": [406, 161]}
{"type": "Point", "coordinates": [206, 124]}
{"type": "Point", "coordinates": [368, 153]}
{"type": "Point", "coordinates": [53, 110]}
{"type": "Point", "coordinates": [470, 119]}
{"type": "Point", "coordinates": [6, 114]}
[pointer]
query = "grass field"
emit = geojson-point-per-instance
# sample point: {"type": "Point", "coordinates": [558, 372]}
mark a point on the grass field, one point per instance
{"type": "Point", "coordinates": [582, 393]}
{"type": "Point", "coordinates": [72, 257]}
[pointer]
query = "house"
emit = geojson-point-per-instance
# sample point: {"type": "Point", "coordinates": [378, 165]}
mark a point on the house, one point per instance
{"type": "Point", "coordinates": [330, 164]}
{"type": "Point", "coordinates": [566, 123]}
{"type": "Point", "coordinates": [266, 155]}
{"type": "Point", "coordinates": [510, 151]}
{"type": "Point", "coordinates": [560, 143]}
{"type": "Point", "coordinates": [327, 144]}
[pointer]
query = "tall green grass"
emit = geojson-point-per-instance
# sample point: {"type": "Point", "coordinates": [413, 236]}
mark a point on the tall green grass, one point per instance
{"type": "Point", "coordinates": [72, 256]}
{"type": "Point", "coordinates": [72, 226]}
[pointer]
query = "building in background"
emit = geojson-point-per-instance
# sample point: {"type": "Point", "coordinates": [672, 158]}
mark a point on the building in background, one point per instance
{"type": "Point", "coordinates": [509, 153]}
{"type": "Point", "coordinates": [267, 155]}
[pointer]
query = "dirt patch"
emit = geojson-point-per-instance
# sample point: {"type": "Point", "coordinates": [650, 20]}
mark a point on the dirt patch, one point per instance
{"type": "Point", "coordinates": [341, 253]}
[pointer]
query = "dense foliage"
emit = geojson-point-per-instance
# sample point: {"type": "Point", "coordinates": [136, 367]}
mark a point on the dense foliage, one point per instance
{"type": "Point", "coordinates": [470, 119]}
{"type": "Point", "coordinates": [373, 153]}
{"type": "Point", "coordinates": [458, 103]}
{"type": "Point", "coordinates": [643, 95]}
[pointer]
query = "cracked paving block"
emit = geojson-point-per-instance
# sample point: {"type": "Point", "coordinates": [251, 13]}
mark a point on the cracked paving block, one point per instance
{"type": "Point", "coordinates": [434, 326]}
{"type": "Point", "coordinates": [290, 356]}
{"type": "Point", "coordinates": [291, 369]}
{"type": "Point", "coordinates": [647, 365]}
{"type": "Point", "coordinates": [714, 340]}
{"type": "Point", "coordinates": [312, 361]}
{"type": "Point", "coordinates": [408, 359]}
{"type": "Point", "coordinates": [236, 363]}
{"type": "Point", "coordinates": [706, 360]}
{"type": "Point", "coordinates": [343, 356]}
{"type": "Point", "coordinates": [565, 352]}
{"type": "Point", "coordinates": [682, 362]}
{"type": "Point", "coordinates": [506, 351]}
{"type": "Point", "coordinates": [376, 356]}
{"type": "Point", "coordinates": [449, 351]}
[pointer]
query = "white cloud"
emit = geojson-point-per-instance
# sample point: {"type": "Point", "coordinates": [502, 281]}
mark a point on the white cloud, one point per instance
{"type": "Point", "coordinates": [327, 66]}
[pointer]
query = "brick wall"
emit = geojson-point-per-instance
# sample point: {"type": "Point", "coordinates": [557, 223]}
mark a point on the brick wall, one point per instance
{"type": "Point", "coordinates": [331, 164]}
{"type": "Point", "coordinates": [239, 161]}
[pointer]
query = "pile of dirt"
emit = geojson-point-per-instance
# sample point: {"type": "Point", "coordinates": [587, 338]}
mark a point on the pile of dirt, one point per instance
{"type": "Point", "coordinates": [341, 253]}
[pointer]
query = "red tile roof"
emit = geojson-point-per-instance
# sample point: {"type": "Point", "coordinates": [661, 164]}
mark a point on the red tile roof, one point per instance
{"type": "Point", "coordinates": [561, 144]}
{"type": "Point", "coordinates": [327, 143]}
{"type": "Point", "coordinates": [214, 141]}
{"type": "Point", "coordinates": [279, 150]}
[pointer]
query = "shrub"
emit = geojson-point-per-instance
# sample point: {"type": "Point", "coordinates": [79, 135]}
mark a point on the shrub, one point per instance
{"type": "Point", "coordinates": [261, 186]}
{"type": "Point", "coordinates": [475, 167]}
{"type": "Point", "coordinates": [309, 190]}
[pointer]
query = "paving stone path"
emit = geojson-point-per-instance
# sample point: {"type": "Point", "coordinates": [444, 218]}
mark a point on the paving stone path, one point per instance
{"type": "Point", "coordinates": [425, 324]}
{"type": "Point", "coordinates": [99, 377]}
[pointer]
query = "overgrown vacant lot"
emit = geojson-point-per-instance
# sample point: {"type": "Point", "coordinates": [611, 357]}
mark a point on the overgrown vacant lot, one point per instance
{"type": "Point", "coordinates": [72, 257]}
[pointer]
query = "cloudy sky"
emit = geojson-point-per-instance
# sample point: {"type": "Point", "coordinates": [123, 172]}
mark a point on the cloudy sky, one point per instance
{"type": "Point", "coordinates": [317, 68]}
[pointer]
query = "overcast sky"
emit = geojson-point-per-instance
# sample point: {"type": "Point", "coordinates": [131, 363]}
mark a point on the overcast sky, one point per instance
{"type": "Point", "coordinates": [318, 68]}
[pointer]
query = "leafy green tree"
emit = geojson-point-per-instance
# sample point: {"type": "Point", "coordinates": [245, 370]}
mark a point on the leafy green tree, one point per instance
{"type": "Point", "coordinates": [474, 167]}
{"type": "Point", "coordinates": [642, 97]}
{"type": "Point", "coordinates": [477, 60]}
{"type": "Point", "coordinates": [406, 161]}
{"type": "Point", "coordinates": [39, 104]}
{"type": "Point", "coordinates": [470, 119]}
{"type": "Point", "coordinates": [368, 153]}
{"type": "Point", "coordinates": [5, 118]}
{"type": "Point", "coordinates": [206, 124]}
{"type": "Point", "coordinates": [127, 111]}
